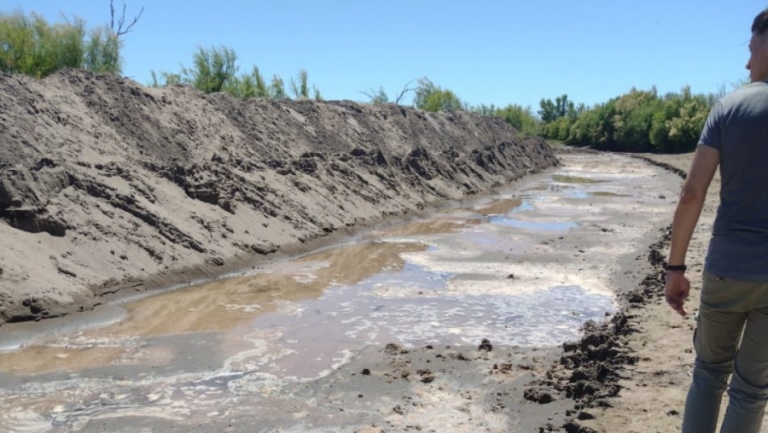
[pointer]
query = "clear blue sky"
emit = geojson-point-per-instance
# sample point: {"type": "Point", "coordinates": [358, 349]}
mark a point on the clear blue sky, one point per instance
{"type": "Point", "coordinates": [490, 51]}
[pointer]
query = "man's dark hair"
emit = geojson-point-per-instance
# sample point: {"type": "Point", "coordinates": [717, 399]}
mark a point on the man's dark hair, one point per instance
{"type": "Point", "coordinates": [760, 25]}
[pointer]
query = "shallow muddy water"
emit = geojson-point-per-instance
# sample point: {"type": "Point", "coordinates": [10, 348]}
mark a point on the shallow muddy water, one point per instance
{"type": "Point", "coordinates": [525, 267]}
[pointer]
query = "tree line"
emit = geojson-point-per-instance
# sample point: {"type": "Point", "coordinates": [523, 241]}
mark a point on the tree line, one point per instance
{"type": "Point", "coordinates": [638, 121]}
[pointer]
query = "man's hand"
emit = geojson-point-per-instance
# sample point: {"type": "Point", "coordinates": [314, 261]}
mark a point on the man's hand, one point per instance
{"type": "Point", "coordinates": [676, 291]}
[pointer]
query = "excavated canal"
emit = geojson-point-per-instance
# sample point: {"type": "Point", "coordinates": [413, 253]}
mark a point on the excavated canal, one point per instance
{"type": "Point", "coordinates": [524, 268]}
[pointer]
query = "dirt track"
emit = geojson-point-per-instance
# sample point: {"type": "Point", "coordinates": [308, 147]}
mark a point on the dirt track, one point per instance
{"type": "Point", "coordinates": [108, 186]}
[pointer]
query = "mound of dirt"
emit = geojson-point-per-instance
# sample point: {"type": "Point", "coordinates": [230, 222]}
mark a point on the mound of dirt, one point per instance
{"type": "Point", "coordinates": [108, 186]}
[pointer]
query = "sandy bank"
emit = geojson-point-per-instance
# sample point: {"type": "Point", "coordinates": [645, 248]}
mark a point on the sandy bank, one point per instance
{"type": "Point", "coordinates": [108, 186]}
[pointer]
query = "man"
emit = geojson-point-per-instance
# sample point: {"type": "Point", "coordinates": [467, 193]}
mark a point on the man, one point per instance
{"type": "Point", "coordinates": [731, 337]}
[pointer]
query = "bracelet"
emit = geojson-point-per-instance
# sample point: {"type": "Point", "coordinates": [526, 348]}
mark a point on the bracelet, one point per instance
{"type": "Point", "coordinates": [675, 268]}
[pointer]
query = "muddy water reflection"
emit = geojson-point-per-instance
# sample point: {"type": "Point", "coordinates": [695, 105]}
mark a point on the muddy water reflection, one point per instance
{"type": "Point", "coordinates": [219, 306]}
{"type": "Point", "coordinates": [501, 267]}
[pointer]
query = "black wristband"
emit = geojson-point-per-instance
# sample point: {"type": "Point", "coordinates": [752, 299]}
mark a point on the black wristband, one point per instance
{"type": "Point", "coordinates": [675, 268]}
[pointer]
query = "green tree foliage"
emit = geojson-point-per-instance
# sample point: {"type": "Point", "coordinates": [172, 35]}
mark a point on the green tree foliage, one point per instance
{"type": "Point", "coordinates": [557, 129]}
{"type": "Point", "coordinates": [212, 69]}
{"type": "Point", "coordinates": [277, 88]}
{"type": "Point", "coordinates": [522, 118]}
{"type": "Point", "coordinates": [632, 119]}
{"type": "Point", "coordinates": [553, 110]}
{"type": "Point", "coordinates": [30, 45]}
{"type": "Point", "coordinates": [558, 116]}
{"type": "Point", "coordinates": [168, 79]}
{"type": "Point", "coordinates": [638, 121]}
{"type": "Point", "coordinates": [102, 52]}
{"type": "Point", "coordinates": [484, 110]}
{"type": "Point", "coordinates": [676, 128]}
{"type": "Point", "coordinates": [300, 89]}
{"type": "Point", "coordinates": [247, 86]}
{"type": "Point", "coordinates": [430, 97]}
{"type": "Point", "coordinates": [215, 70]}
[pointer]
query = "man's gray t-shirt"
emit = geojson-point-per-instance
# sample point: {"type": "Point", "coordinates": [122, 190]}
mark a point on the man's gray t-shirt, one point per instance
{"type": "Point", "coordinates": [738, 127]}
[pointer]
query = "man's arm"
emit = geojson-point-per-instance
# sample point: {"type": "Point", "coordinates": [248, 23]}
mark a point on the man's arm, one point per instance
{"type": "Point", "coordinates": [705, 162]}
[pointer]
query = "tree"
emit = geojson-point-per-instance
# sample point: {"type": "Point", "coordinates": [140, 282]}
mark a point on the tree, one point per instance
{"type": "Point", "coordinates": [558, 117]}
{"type": "Point", "coordinates": [301, 89]}
{"type": "Point", "coordinates": [121, 28]}
{"type": "Point", "coordinates": [407, 88]}
{"type": "Point", "coordinates": [642, 121]}
{"type": "Point", "coordinates": [633, 120]}
{"type": "Point", "coordinates": [242, 87]}
{"type": "Point", "coordinates": [248, 85]}
{"type": "Point", "coordinates": [520, 117]}
{"type": "Point", "coordinates": [277, 88]}
{"type": "Point", "coordinates": [102, 52]}
{"type": "Point", "coordinates": [215, 70]}
{"type": "Point", "coordinates": [30, 45]}
{"type": "Point", "coordinates": [212, 69]}
{"type": "Point", "coordinates": [561, 107]}
{"type": "Point", "coordinates": [430, 97]}
{"type": "Point", "coordinates": [675, 128]}
{"type": "Point", "coordinates": [547, 110]}
{"type": "Point", "coordinates": [582, 132]}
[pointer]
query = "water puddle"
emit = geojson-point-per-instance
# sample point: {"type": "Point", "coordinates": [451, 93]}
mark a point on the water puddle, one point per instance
{"type": "Point", "coordinates": [608, 194]}
{"type": "Point", "coordinates": [503, 207]}
{"type": "Point", "coordinates": [562, 178]}
{"type": "Point", "coordinates": [534, 225]}
{"type": "Point", "coordinates": [501, 268]}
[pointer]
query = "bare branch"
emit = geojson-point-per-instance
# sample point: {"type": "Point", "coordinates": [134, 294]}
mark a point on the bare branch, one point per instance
{"type": "Point", "coordinates": [403, 92]}
{"type": "Point", "coordinates": [121, 23]}
{"type": "Point", "coordinates": [122, 29]}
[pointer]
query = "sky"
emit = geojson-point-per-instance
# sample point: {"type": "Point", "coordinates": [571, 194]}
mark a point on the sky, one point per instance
{"type": "Point", "coordinates": [485, 51]}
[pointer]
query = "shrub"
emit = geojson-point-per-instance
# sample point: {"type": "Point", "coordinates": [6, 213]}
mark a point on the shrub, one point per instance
{"type": "Point", "coordinates": [30, 45]}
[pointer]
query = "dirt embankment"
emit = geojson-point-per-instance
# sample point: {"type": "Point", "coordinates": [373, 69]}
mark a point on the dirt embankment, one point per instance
{"type": "Point", "coordinates": [108, 186]}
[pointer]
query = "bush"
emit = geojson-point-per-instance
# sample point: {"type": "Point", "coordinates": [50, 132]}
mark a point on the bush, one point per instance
{"type": "Point", "coordinates": [30, 45]}
{"type": "Point", "coordinates": [212, 69]}
{"type": "Point", "coordinates": [429, 97]}
{"type": "Point", "coordinates": [215, 70]}
{"type": "Point", "coordinates": [521, 118]}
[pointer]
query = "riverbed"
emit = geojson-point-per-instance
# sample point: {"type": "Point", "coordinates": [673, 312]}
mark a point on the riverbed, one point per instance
{"type": "Point", "coordinates": [347, 338]}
